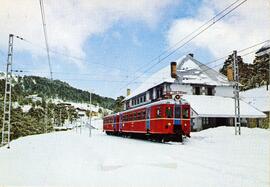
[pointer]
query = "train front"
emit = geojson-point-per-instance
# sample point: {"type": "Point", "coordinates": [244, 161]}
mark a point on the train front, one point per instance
{"type": "Point", "coordinates": [182, 109]}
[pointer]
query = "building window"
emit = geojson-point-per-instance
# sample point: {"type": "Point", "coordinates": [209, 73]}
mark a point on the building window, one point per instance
{"type": "Point", "coordinates": [210, 91]}
{"type": "Point", "coordinates": [205, 121]}
{"type": "Point", "coordinates": [151, 94]}
{"type": "Point", "coordinates": [197, 90]}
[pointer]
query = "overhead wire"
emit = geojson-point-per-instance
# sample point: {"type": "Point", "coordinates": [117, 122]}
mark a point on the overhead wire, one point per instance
{"type": "Point", "coordinates": [187, 36]}
{"type": "Point", "coordinates": [42, 11]}
{"type": "Point", "coordinates": [120, 81]}
{"type": "Point", "coordinates": [72, 56]}
{"type": "Point", "coordinates": [214, 19]}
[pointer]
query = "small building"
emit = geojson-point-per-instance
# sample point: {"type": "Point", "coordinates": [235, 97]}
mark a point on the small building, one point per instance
{"type": "Point", "coordinates": [201, 86]}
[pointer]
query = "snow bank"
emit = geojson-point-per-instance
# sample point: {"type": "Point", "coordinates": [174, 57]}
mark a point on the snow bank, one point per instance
{"type": "Point", "coordinates": [257, 97]}
{"type": "Point", "coordinates": [213, 157]}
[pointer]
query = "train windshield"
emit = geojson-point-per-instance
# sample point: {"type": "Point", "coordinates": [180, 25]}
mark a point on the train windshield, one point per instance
{"type": "Point", "coordinates": [177, 111]}
{"type": "Point", "coordinates": [185, 113]}
{"type": "Point", "coordinates": [169, 113]}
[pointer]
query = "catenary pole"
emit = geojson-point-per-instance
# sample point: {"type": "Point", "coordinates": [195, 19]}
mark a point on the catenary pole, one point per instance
{"type": "Point", "coordinates": [237, 119]}
{"type": "Point", "coordinates": [7, 97]}
{"type": "Point", "coordinates": [90, 124]}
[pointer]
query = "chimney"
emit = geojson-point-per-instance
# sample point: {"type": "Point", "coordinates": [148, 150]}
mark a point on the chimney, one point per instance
{"type": "Point", "coordinates": [128, 92]}
{"type": "Point", "coordinates": [173, 70]}
{"type": "Point", "coordinates": [191, 54]}
{"type": "Point", "coordinates": [230, 72]}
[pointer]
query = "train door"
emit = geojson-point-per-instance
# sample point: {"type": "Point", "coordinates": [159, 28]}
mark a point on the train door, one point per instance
{"type": "Point", "coordinates": [114, 123]}
{"type": "Point", "coordinates": [120, 122]}
{"type": "Point", "coordinates": [186, 119]}
{"type": "Point", "coordinates": [177, 114]}
{"type": "Point", "coordinates": [148, 119]}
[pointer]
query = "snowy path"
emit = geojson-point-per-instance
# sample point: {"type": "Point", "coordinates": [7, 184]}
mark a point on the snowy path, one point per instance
{"type": "Point", "coordinates": [213, 157]}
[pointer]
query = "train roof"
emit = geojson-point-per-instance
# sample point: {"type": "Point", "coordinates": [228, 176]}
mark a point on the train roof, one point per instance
{"type": "Point", "coordinates": [164, 101]}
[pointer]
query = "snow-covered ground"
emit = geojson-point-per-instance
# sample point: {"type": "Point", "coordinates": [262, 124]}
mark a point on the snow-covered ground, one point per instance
{"type": "Point", "coordinates": [213, 157]}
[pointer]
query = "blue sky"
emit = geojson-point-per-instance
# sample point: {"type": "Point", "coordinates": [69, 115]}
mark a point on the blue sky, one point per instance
{"type": "Point", "coordinates": [110, 50]}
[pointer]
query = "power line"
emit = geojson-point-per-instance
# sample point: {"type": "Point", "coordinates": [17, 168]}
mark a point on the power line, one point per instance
{"type": "Point", "coordinates": [123, 81]}
{"type": "Point", "coordinates": [190, 34]}
{"type": "Point", "coordinates": [45, 35]}
{"type": "Point", "coordinates": [215, 19]}
{"type": "Point", "coordinates": [72, 56]}
{"type": "Point", "coordinates": [225, 56]}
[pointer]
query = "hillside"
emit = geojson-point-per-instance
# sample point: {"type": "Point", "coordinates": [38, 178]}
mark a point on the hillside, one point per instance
{"type": "Point", "coordinates": [45, 88]}
{"type": "Point", "coordinates": [30, 116]}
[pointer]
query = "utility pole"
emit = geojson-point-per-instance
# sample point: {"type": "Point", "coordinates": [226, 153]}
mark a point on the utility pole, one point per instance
{"type": "Point", "coordinates": [7, 98]}
{"type": "Point", "coordinates": [46, 115]}
{"type": "Point", "coordinates": [237, 122]}
{"type": "Point", "coordinates": [60, 121]}
{"type": "Point", "coordinates": [90, 126]}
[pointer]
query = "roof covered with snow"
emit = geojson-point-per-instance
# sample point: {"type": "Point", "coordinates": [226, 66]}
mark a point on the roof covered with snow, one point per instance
{"type": "Point", "coordinates": [257, 97]}
{"type": "Point", "coordinates": [216, 106]}
{"type": "Point", "coordinates": [189, 70]}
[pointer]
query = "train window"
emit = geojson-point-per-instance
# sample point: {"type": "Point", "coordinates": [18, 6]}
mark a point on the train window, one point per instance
{"type": "Point", "coordinates": [143, 115]}
{"type": "Point", "coordinates": [177, 111]}
{"type": "Point", "coordinates": [169, 112]}
{"type": "Point", "coordinates": [139, 115]}
{"type": "Point", "coordinates": [135, 116]}
{"type": "Point", "coordinates": [185, 113]}
{"type": "Point", "coordinates": [158, 112]}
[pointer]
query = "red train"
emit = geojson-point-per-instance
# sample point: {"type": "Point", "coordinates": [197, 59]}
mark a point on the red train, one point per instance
{"type": "Point", "coordinates": [165, 120]}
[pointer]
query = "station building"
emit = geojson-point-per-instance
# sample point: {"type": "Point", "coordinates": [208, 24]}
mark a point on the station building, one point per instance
{"type": "Point", "coordinates": [209, 93]}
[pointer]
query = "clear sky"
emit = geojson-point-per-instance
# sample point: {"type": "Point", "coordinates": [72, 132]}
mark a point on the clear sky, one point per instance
{"type": "Point", "coordinates": [102, 45]}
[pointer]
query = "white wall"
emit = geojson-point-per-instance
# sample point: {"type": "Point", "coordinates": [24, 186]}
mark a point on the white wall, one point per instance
{"type": "Point", "coordinates": [224, 91]}
{"type": "Point", "coordinates": [197, 124]}
{"type": "Point", "coordinates": [183, 88]}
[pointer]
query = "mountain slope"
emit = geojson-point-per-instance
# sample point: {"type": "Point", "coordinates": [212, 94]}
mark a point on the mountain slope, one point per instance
{"type": "Point", "coordinates": [45, 88]}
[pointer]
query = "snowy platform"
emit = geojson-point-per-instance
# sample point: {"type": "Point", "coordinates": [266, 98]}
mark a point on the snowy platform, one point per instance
{"type": "Point", "coordinates": [213, 157]}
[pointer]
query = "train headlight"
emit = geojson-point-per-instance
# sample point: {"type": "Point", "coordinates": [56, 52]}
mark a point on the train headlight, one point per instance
{"type": "Point", "coordinates": [169, 124]}
{"type": "Point", "coordinates": [185, 124]}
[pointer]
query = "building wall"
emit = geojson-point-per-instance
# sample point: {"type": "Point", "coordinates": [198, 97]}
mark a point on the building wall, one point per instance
{"type": "Point", "coordinates": [224, 91]}
{"type": "Point", "coordinates": [181, 87]}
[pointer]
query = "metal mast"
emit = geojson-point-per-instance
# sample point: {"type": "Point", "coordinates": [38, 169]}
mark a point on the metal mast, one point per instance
{"type": "Point", "coordinates": [90, 125]}
{"type": "Point", "coordinates": [237, 121]}
{"type": "Point", "coordinates": [7, 97]}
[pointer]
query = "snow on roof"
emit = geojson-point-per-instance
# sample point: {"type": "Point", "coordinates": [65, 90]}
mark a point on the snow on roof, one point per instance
{"type": "Point", "coordinates": [216, 106]}
{"type": "Point", "coordinates": [190, 70]}
{"type": "Point", "coordinates": [163, 75]}
{"type": "Point", "coordinates": [257, 97]}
